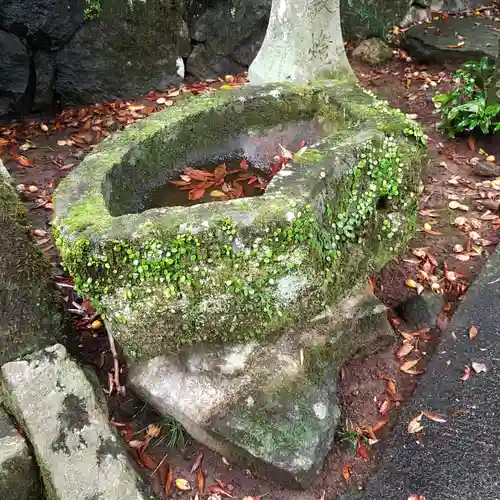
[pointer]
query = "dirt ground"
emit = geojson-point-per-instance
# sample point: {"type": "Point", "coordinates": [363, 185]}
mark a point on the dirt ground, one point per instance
{"type": "Point", "coordinates": [39, 152]}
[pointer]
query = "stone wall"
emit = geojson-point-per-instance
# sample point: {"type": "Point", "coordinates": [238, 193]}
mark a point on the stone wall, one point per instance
{"type": "Point", "coordinates": [76, 52]}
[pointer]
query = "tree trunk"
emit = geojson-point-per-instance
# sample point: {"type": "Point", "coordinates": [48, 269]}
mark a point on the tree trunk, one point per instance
{"type": "Point", "coordinates": [303, 43]}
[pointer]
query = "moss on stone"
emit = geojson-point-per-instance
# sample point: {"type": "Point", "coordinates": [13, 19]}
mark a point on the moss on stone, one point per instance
{"type": "Point", "coordinates": [244, 269]}
{"type": "Point", "coordinates": [30, 317]}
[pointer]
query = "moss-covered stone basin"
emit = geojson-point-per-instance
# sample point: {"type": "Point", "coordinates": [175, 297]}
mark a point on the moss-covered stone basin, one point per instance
{"type": "Point", "coordinates": [241, 269]}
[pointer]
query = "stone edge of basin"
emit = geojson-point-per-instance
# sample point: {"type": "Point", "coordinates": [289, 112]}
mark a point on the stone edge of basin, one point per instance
{"type": "Point", "coordinates": [80, 200]}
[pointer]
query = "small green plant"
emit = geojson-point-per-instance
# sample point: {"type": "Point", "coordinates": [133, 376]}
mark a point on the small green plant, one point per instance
{"type": "Point", "coordinates": [352, 438]}
{"type": "Point", "coordinates": [174, 434]}
{"type": "Point", "coordinates": [467, 107]}
{"type": "Point", "coordinates": [92, 9]}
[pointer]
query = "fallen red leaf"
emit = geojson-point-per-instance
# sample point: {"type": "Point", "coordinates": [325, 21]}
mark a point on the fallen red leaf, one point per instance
{"type": "Point", "coordinates": [363, 452]}
{"type": "Point", "coordinates": [23, 161]}
{"type": "Point", "coordinates": [244, 164]}
{"type": "Point", "coordinates": [147, 461]}
{"type": "Point", "coordinates": [379, 425]}
{"type": "Point", "coordinates": [196, 194]}
{"type": "Point", "coordinates": [384, 408]}
{"type": "Point", "coordinates": [215, 488]}
{"type": "Point", "coordinates": [473, 332]}
{"type": "Point", "coordinates": [220, 172]}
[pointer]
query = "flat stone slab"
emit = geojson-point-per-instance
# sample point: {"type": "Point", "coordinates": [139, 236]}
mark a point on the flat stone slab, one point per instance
{"type": "Point", "coordinates": [459, 458]}
{"type": "Point", "coordinates": [18, 472]}
{"type": "Point", "coordinates": [438, 40]}
{"type": "Point", "coordinates": [270, 406]}
{"type": "Point", "coordinates": [78, 454]}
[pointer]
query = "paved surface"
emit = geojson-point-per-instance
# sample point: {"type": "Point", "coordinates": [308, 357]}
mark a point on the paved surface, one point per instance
{"type": "Point", "coordinates": [459, 459]}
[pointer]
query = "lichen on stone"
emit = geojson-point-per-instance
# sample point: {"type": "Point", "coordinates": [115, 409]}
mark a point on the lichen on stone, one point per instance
{"type": "Point", "coordinates": [243, 269]}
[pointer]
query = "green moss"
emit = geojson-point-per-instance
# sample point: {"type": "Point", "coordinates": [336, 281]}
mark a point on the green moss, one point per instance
{"type": "Point", "coordinates": [209, 275]}
{"type": "Point", "coordinates": [92, 9]}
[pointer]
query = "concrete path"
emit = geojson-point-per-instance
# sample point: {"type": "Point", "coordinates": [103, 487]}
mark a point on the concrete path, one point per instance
{"type": "Point", "coordinates": [458, 459]}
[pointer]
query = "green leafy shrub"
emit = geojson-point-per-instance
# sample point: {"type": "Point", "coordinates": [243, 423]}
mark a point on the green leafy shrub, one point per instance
{"type": "Point", "coordinates": [467, 108]}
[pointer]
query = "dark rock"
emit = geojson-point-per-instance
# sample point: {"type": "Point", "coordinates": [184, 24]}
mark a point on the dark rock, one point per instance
{"type": "Point", "coordinates": [44, 64]}
{"type": "Point", "coordinates": [14, 73]}
{"type": "Point", "coordinates": [230, 35]}
{"type": "Point", "coordinates": [46, 24]}
{"type": "Point", "coordinates": [30, 314]}
{"type": "Point", "coordinates": [486, 169]}
{"type": "Point", "coordinates": [421, 311]}
{"type": "Point", "coordinates": [373, 51]}
{"type": "Point", "coordinates": [124, 52]}
{"type": "Point", "coordinates": [203, 64]}
{"type": "Point", "coordinates": [371, 17]}
{"type": "Point", "coordinates": [437, 41]}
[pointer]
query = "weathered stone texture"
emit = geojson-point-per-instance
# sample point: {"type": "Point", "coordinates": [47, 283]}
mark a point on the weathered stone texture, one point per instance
{"type": "Point", "coordinates": [78, 454]}
{"type": "Point", "coordinates": [18, 472]}
{"type": "Point", "coordinates": [272, 406]}
{"type": "Point", "coordinates": [30, 314]}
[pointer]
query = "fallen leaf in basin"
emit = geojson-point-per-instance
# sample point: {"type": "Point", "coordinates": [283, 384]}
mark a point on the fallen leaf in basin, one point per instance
{"type": "Point", "coordinates": [415, 425]}
{"type": "Point", "coordinates": [434, 416]}
{"type": "Point", "coordinates": [458, 248]}
{"type": "Point", "coordinates": [153, 431]}
{"type": "Point", "coordinates": [473, 332]}
{"type": "Point", "coordinates": [135, 443]}
{"type": "Point", "coordinates": [96, 324]}
{"type": "Point", "coordinates": [182, 484]}
{"type": "Point", "coordinates": [196, 194]}
{"type": "Point", "coordinates": [479, 367]}
{"type": "Point", "coordinates": [466, 374]}
{"type": "Point", "coordinates": [25, 162]}
{"type": "Point", "coordinates": [391, 387]}
{"type": "Point", "coordinates": [217, 194]}
{"type": "Point", "coordinates": [462, 257]}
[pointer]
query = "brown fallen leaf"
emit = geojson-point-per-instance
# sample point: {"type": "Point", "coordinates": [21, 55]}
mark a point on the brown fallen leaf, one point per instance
{"type": "Point", "coordinates": [200, 480]}
{"type": "Point", "coordinates": [415, 426]}
{"type": "Point", "coordinates": [197, 463]}
{"type": "Point", "coordinates": [169, 479]}
{"type": "Point", "coordinates": [391, 387]}
{"type": "Point", "coordinates": [471, 142]}
{"type": "Point", "coordinates": [434, 416]}
{"type": "Point", "coordinates": [473, 332]}
{"type": "Point", "coordinates": [408, 365]}
{"type": "Point", "coordinates": [215, 488]}
{"type": "Point", "coordinates": [404, 350]}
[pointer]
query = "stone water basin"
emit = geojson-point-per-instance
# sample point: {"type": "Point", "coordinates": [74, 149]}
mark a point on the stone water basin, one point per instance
{"type": "Point", "coordinates": [239, 313]}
